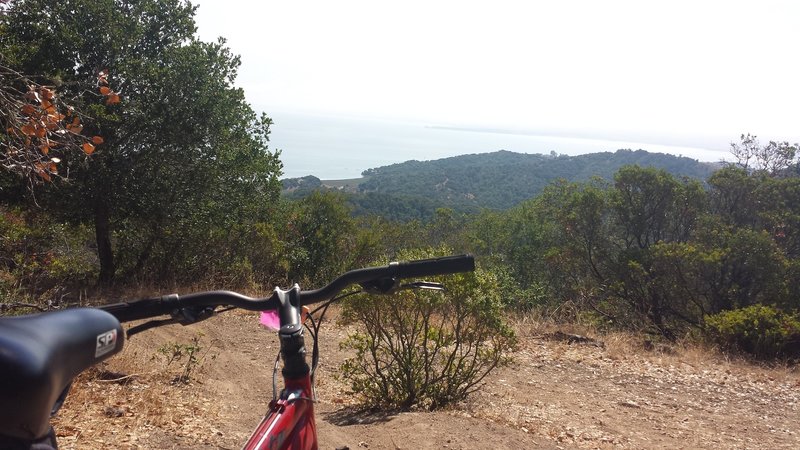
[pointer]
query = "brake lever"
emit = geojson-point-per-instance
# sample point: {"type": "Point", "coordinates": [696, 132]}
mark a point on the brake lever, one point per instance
{"type": "Point", "coordinates": [423, 285]}
{"type": "Point", "coordinates": [184, 316]}
{"type": "Point", "coordinates": [381, 286]}
{"type": "Point", "coordinates": [190, 315]}
{"type": "Point", "coordinates": [385, 286]}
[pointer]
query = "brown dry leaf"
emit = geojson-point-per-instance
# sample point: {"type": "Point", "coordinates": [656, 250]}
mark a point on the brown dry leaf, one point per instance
{"type": "Point", "coordinates": [97, 140]}
{"type": "Point", "coordinates": [41, 132]}
{"type": "Point", "coordinates": [88, 148]}
{"type": "Point", "coordinates": [47, 93]}
{"type": "Point", "coordinates": [105, 90]}
{"type": "Point", "coordinates": [52, 122]}
{"type": "Point", "coordinates": [28, 129]}
{"type": "Point", "coordinates": [44, 148]}
{"type": "Point", "coordinates": [28, 110]}
{"type": "Point", "coordinates": [113, 99]}
{"type": "Point", "coordinates": [40, 170]}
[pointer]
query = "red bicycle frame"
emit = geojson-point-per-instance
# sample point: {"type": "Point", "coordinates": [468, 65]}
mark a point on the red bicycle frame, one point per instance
{"type": "Point", "coordinates": [289, 423]}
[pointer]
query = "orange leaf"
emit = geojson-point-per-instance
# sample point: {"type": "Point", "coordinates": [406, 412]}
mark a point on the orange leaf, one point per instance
{"type": "Point", "coordinates": [40, 170]}
{"type": "Point", "coordinates": [97, 140]}
{"type": "Point", "coordinates": [44, 148]}
{"type": "Point", "coordinates": [46, 104]}
{"type": "Point", "coordinates": [41, 132]}
{"type": "Point", "coordinates": [28, 129]}
{"type": "Point", "coordinates": [88, 148]}
{"type": "Point", "coordinates": [112, 99]}
{"type": "Point", "coordinates": [28, 110]}
{"type": "Point", "coordinates": [105, 90]}
{"type": "Point", "coordinates": [51, 123]}
{"type": "Point", "coordinates": [75, 129]}
{"type": "Point", "coordinates": [53, 168]}
{"type": "Point", "coordinates": [76, 120]}
{"type": "Point", "coordinates": [47, 93]}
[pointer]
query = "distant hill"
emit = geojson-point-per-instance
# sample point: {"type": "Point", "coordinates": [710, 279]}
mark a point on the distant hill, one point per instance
{"type": "Point", "coordinates": [497, 180]}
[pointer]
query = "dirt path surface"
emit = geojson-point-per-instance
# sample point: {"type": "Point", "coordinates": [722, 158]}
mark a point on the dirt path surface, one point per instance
{"type": "Point", "coordinates": [555, 395]}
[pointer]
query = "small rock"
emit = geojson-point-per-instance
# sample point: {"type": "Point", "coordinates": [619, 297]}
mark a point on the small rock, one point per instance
{"type": "Point", "coordinates": [114, 411]}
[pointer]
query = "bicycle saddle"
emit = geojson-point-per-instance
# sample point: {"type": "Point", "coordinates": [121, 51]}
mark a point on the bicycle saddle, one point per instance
{"type": "Point", "coordinates": [40, 355]}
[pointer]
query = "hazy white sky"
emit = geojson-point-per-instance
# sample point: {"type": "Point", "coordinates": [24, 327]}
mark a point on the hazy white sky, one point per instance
{"type": "Point", "coordinates": [688, 72]}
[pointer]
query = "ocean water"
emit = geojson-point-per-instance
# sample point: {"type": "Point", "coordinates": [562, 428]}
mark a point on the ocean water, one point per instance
{"type": "Point", "coordinates": [334, 147]}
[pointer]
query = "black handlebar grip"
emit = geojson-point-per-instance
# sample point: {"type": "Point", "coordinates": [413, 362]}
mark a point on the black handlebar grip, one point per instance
{"type": "Point", "coordinates": [436, 266]}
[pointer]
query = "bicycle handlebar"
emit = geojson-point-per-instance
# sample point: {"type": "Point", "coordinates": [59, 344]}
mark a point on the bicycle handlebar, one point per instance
{"type": "Point", "coordinates": [159, 306]}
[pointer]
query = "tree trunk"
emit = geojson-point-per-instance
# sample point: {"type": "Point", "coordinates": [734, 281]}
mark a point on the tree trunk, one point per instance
{"type": "Point", "coordinates": [103, 236]}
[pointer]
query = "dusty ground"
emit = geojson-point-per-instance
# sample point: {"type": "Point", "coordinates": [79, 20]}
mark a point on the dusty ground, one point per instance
{"type": "Point", "coordinates": [555, 395]}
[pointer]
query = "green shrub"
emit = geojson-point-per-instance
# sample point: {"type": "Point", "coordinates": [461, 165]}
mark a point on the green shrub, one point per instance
{"type": "Point", "coordinates": [426, 348]}
{"type": "Point", "coordinates": [42, 263]}
{"type": "Point", "coordinates": [762, 331]}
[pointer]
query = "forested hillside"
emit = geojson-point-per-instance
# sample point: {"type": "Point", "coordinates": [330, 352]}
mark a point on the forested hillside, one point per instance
{"type": "Point", "coordinates": [498, 180]}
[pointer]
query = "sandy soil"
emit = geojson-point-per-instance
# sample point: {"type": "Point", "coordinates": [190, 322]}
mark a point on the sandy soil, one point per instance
{"type": "Point", "coordinates": [555, 395]}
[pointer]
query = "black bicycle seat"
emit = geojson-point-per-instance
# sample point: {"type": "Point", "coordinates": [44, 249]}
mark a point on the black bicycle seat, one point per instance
{"type": "Point", "coordinates": [40, 354]}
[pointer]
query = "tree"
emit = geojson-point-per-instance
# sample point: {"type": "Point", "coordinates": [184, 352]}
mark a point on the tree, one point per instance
{"type": "Point", "coordinates": [321, 237]}
{"type": "Point", "coordinates": [774, 158]}
{"type": "Point", "coordinates": [182, 149]}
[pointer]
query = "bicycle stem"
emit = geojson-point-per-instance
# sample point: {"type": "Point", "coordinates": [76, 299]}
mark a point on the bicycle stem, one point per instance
{"type": "Point", "coordinates": [293, 347]}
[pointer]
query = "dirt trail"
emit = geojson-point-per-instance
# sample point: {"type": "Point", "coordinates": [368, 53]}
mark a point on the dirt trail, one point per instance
{"type": "Point", "coordinates": [555, 395]}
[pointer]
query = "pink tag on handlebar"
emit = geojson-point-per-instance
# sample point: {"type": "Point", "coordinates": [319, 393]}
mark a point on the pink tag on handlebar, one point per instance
{"type": "Point", "coordinates": [271, 320]}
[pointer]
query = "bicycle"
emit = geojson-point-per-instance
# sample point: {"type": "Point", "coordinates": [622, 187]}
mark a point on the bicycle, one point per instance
{"type": "Point", "coordinates": [41, 354]}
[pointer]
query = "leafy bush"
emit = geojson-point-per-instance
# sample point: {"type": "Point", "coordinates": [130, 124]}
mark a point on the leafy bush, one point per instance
{"type": "Point", "coordinates": [762, 331]}
{"type": "Point", "coordinates": [41, 261]}
{"type": "Point", "coordinates": [187, 354]}
{"type": "Point", "coordinates": [427, 348]}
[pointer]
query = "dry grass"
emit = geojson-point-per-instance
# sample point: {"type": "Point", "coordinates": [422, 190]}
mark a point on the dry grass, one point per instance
{"type": "Point", "coordinates": [631, 346]}
{"type": "Point", "coordinates": [131, 398]}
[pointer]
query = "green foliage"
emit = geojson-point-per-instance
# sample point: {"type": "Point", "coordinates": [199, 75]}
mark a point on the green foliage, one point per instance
{"type": "Point", "coordinates": [184, 158]}
{"type": "Point", "coordinates": [186, 355]}
{"type": "Point", "coordinates": [40, 259]}
{"type": "Point", "coordinates": [763, 331]}
{"type": "Point", "coordinates": [651, 252]}
{"type": "Point", "coordinates": [423, 348]}
{"type": "Point", "coordinates": [321, 237]}
{"type": "Point", "coordinates": [413, 190]}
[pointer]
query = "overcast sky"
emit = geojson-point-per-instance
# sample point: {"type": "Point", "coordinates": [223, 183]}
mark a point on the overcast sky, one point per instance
{"type": "Point", "coordinates": [687, 72]}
